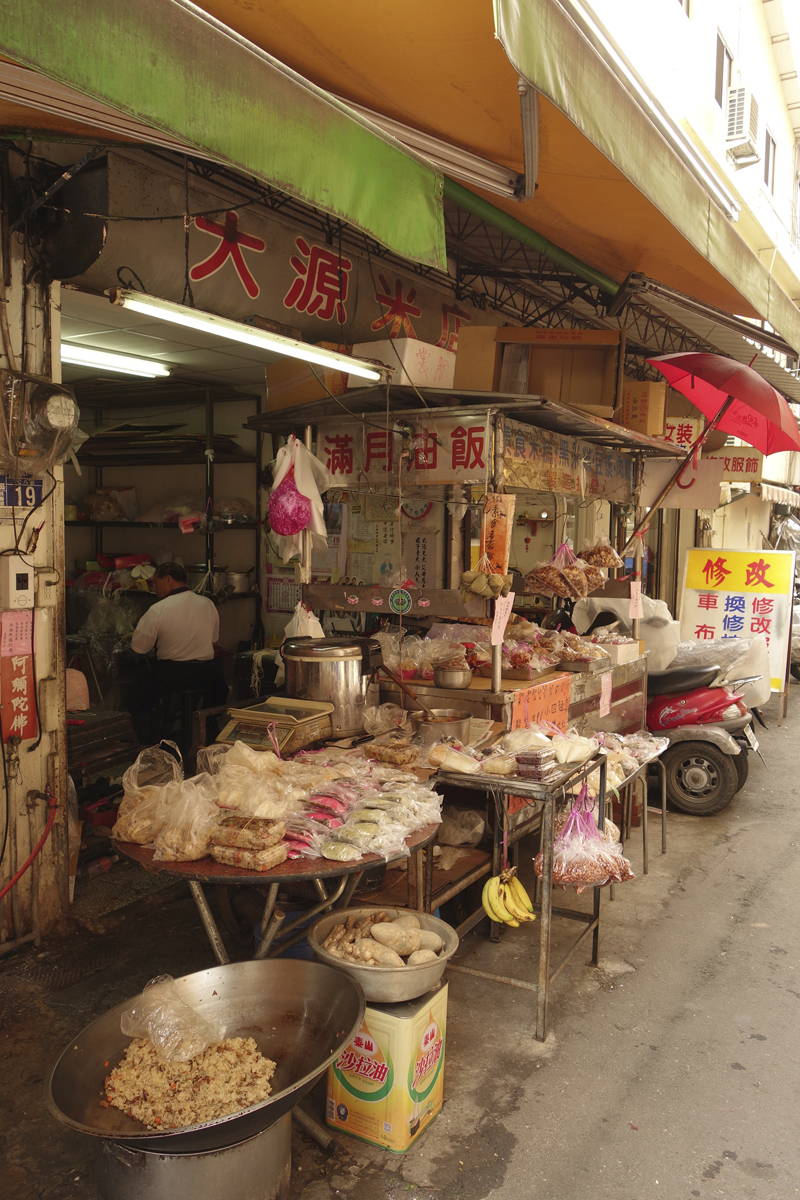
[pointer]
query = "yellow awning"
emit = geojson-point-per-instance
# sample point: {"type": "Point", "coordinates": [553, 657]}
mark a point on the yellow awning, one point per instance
{"type": "Point", "coordinates": [440, 68]}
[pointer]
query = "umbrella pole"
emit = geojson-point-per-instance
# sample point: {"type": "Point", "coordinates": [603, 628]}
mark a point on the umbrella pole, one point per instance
{"type": "Point", "coordinates": [689, 454]}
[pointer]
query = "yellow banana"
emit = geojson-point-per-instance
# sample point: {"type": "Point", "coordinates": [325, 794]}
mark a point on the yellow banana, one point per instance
{"type": "Point", "coordinates": [512, 905]}
{"type": "Point", "coordinates": [487, 905]}
{"type": "Point", "coordinates": [496, 901]}
{"type": "Point", "coordinates": [520, 895]}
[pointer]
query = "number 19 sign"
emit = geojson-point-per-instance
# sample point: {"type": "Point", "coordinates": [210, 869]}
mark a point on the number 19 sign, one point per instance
{"type": "Point", "coordinates": [738, 594]}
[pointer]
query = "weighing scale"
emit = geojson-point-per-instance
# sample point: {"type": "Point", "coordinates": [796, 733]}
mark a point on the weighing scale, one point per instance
{"type": "Point", "coordinates": [295, 724]}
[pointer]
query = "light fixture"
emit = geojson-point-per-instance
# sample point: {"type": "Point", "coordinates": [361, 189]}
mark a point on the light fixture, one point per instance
{"type": "Point", "coordinates": [544, 516]}
{"type": "Point", "coordinates": [104, 360]}
{"type": "Point", "coordinates": [203, 322]}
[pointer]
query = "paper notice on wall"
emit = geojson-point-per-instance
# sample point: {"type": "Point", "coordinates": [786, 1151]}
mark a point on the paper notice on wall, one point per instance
{"type": "Point", "coordinates": [636, 609]}
{"type": "Point", "coordinates": [16, 630]}
{"type": "Point", "coordinates": [497, 524]}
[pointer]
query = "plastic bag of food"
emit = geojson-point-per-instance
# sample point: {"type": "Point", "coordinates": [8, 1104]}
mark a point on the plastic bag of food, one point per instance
{"type": "Point", "coordinates": [460, 826]}
{"type": "Point", "coordinates": [601, 554]}
{"type": "Point", "coordinates": [386, 840]}
{"type": "Point", "coordinates": [384, 717]}
{"type": "Point", "coordinates": [582, 858]}
{"type": "Point", "coordinates": [562, 576]}
{"type": "Point", "coordinates": [234, 510]}
{"type": "Point", "coordinates": [178, 1031]}
{"type": "Point", "coordinates": [192, 814]}
{"type": "Point", "coordinates": [526, 739]}
{"type": "Point", "coordinates": [101, 506]}
{"type": "Point", "coordinates": [145, 802]}
{"type": "Point", "coordinates": [573, 748]}
{"type": "Point", "coordinates": [578, 649]}
{"type": "Point", "coordinates": [449, 759]}
{"type": "Point", "coordinates": [499, 764]}
{"type": "Point", "coordinates": [211, 759]}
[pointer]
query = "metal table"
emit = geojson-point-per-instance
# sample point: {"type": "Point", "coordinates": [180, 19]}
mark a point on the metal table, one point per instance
{"type": "Point", "coordinates": [317, 870]}
{"type": "Point", "coordinates": [502, 788]}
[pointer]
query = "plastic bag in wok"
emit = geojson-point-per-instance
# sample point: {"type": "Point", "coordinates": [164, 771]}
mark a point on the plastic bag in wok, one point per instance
{"type": "Point", "coordinates": [178, 1031]}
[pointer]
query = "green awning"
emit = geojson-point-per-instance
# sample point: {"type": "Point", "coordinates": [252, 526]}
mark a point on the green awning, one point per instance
{"type": "Point", "coordinates": [174, 68]}
{"type": "Point", "coordinates": [548, 49]}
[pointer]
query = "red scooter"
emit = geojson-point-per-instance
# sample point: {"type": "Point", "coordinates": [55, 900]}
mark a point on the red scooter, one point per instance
{"type": "Point", "coordinates": [709, 728]}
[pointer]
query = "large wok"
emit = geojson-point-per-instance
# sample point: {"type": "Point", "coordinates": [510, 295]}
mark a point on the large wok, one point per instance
{"type": "Point", "coordinates": [300, 1014]}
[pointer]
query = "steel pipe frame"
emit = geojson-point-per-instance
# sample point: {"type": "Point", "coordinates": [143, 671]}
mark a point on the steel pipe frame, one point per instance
{"type": "Point", "coordinates": [502, 839]}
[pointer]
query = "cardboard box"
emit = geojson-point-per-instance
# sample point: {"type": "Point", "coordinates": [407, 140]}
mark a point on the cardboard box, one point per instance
{"type": "Point", "coordinates": [643, 407]}
{"type": "Point", "coordinates": [291, 382]}
{"type": "Point", "coordinates": [387, 1086]}
{"type": "Point", "coordinates": [478, 359]}
{"type": "Point", "coordinates": [578, 367]}
{"type": "Point", "coordinates": [410, 361]}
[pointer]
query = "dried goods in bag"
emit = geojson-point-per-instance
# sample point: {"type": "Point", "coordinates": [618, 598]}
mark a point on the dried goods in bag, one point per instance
{"type": "Point", "coordinates": [602, 554]}
{"type": "Point", "coordinates": [582, 857]}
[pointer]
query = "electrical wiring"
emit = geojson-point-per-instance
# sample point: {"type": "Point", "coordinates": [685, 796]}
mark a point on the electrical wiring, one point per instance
{"type": "Point", "coordinates": [51, 817]}
{"type": "Point", "coordinates": [352, 415]}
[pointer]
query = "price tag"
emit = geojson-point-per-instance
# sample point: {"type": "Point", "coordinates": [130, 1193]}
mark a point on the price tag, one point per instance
{"type": "Point", "coordinates": [636, 611]}
{"type": "Point", "coordinates": [502, 611]}
{"type": "Point", "coordinates": [605, 693]}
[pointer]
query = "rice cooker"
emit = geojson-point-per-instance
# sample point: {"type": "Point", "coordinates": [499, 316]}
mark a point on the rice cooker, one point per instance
{"type": "Point", "coordinates": [336, 669]}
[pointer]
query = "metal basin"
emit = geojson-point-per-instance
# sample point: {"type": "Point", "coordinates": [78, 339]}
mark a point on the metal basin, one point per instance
{"type": "Point", "coordinates": [445, 678]}
{"type": "Point", "coordinates": [387, 984]}
{"type": "Point", "coordinates": [450, 722]}
{"type": "Point", "coordinates": [300, 1014]}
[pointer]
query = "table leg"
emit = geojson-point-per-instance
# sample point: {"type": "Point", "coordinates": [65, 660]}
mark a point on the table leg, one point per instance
{"type": "Point", "coordinates": [644, 823]}
{"type": "Point", "coordinates": [350, 887]}
{"type": "Point", "coordinates": [662, 770]}
{"type": "Point", "coordinates": [206, 916]}
{"type": "Point", "coordinates": [428, 907]}
{"type": "Point", "coordinates": [418, 873]}
{"type": "Point", "coordinates": [271, 922]}
{"type": "Point", "coordinates": [320, 889]}
{"type": "Point", "coordinates": [548, 825]}
{"type": "Point", "coordinates": [596, 904]}
{"type": "Point", "coordinates": [500, 827]}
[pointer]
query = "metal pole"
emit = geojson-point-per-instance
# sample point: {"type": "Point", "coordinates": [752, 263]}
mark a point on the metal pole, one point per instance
{"type": "Point", "coordinates": [654, 507]}
{"type": "Point", "coordinates": [548, 830]}
{"type": "Point", "coordinates": [305, 554]}
{"type": "Point", "coordinates": [206, 916]}
{"type": "Point", "coordinates": [209, 481]}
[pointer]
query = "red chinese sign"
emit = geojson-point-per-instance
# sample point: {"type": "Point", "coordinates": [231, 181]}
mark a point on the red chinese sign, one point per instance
{"type": "Point", "coordinates": [320, 288]}
{"type": "Point", "coordinates": [449, 450]}
{"type": "Point", "coordinates": [546, 701]}
{"type": "Point", "coordinates": [17, 698]}
{"type": "Point", "coordinates": [229, 246]}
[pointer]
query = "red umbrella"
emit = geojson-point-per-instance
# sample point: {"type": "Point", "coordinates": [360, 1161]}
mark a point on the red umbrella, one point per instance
{"type": "Point", "coordinates": [740, 399]}
{"type": "Point", "coordinates": [735, 398]}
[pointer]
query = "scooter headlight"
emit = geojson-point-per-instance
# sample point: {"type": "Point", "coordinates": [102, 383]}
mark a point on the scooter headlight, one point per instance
{"type": "Point", "coordinates": [731, 712]}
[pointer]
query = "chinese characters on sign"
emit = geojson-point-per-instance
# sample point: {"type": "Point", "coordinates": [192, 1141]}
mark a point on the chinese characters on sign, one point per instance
{"type": "Point", "coordinates": [320, 288]}
{"type": "Point", "coordinates": [16, 696]}
{"type": "Point", "coordinates": [682, 431]}
{"type": "Point", "coordinates": [547, 701]}
{"type": "Point", "coordinates": [552, 462]}
{"type": "Point", "coordinates": [738, 594]}
{"type": "Point", "coordinates": [449, 450]}
{"type": "Point", "coordinates": [740, 464]}
{"type": "Point", "coordinates": [497, 523]}
{"type": "Point", "coordinates": [229, 246]}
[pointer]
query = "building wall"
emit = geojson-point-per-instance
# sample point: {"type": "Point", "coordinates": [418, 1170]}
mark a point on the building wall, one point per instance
{"type": "Point", "coordinates": [40, 896]}
{"type": "Point", "coordinates": [675, 53]}
{"type": "Point", "coordinates": [741, 525]}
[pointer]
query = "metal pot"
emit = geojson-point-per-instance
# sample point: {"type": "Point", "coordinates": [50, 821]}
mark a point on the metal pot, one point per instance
{"type": "Point", "coordinates": [240, 581]}
{"type": "Point", "coordinates": [444, 678]}
{"type": "Point", "coordinates": [389, 985]}
{"type": "Point", "coordinates": [450, 722]}
{"type": "Point", "coordinates": [197, 573]}
{"type": "Point", "coordinates": [336, 669]}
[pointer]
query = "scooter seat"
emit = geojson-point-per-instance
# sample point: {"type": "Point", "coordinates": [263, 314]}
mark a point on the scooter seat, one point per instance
{"type": "Point", "coordinates": [679, 679]}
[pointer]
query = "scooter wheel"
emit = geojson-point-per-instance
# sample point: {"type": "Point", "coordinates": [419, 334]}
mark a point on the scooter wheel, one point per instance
{"type": "Point", "coordinates": [701, 779]}
{"type": "Point", "coordinates": [742, 763]}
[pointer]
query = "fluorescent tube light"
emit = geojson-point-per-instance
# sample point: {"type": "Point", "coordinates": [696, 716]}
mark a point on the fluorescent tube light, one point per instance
{"type": "Point", "coordinates": [203, 322]}
{"type": "Point", "coordinates": [104, 360]}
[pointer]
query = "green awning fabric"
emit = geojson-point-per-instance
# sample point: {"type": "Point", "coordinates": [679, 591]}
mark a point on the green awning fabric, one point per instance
{"type": "Point", "coordinates": [548, 50]}
{"type": "Point", "coordinates": [178, 70]}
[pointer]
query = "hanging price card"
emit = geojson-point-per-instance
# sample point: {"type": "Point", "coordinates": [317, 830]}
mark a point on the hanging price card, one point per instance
{"type": "Point", "coordinates": [636, 610]}
{"type": "Point", "coordinates": [502, 611]}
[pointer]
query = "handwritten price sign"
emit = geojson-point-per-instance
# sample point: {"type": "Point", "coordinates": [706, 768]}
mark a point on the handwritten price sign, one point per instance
{"type": "Point", "coordinates": [547, 701]}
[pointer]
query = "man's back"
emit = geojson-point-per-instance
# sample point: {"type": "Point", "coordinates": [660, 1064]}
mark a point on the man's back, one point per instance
{"type": "Point", "coordinates": [183, 627]}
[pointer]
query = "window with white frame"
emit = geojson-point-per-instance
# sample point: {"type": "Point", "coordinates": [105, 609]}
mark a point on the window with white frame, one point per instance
{"type": "Point", "coordinates": [724, 72]}
{"type": "Point", "coordinates": [769, 162]}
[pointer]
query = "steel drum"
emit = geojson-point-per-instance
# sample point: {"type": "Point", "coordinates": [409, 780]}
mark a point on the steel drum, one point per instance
{"type": "Point", "coordinates": [300, 1014]}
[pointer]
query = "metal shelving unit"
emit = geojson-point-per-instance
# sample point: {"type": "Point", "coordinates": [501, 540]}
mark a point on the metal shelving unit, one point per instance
{"type": "Point", "coordinates": [208, 459]}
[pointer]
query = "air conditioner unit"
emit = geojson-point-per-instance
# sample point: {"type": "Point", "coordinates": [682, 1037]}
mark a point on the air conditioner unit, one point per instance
{"type": "Point", "coordinates": [741, 132]}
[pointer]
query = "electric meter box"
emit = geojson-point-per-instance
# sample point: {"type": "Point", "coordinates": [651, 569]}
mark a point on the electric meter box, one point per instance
{"type": "Point", "coordinates": [16, 583]}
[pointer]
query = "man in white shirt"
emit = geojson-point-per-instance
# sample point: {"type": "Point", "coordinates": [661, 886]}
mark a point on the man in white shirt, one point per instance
{"type": "Point", "coordinates": [184, 628]}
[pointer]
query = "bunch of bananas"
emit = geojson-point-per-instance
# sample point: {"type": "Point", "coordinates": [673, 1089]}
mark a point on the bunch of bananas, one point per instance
{"type": "Point", "coordinates": [505, 900]}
